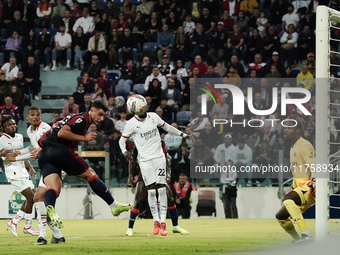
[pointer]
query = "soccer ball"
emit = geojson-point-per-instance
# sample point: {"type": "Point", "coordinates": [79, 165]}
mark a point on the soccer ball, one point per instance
{"type": "Point", "coordinates": [136, 104]}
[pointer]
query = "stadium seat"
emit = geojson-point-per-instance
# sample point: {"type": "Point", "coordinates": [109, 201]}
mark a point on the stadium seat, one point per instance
{"type": "Point", "coordinates": [206, 205]}
{"type": "Point", "coordinates": [53, 31]}
{"type": "Point", "coordinates": [37, 31]}
{"type": "Point", "coordinates": [113, 76]}
{"type": "Point", "coordinates": [183, 117]}
{"type": "Point", "coordinates": [3, 178]}
{"type": "Point", "coordinates": [295, 72]}
{"type": "Point", "coordinates": [118, 1]}
{"type": "Point", "coordinates": [139, 88]}
{"type": "Point", "coordinates": [135, 2]}
{"type": "Point", "coordinates": [150, 50]}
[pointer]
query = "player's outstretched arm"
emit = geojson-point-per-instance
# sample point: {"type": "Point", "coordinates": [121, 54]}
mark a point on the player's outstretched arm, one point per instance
{"type": "Point", "coordinates": [175, 131]}
{"type": "Point", "coordinates": [66, 133]}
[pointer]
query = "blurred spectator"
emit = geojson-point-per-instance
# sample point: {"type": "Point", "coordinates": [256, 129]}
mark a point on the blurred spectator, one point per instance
{"type": "Point", "coordinates": [255, 21]}
{"type": "Point", "coordinates": [254, 45]}
{"type": "Point", "coordinates": [138, 27]}
{"type": "Point", "coordinates": [20, 81]}
{"type": "Point", "coordinates": [243, 156]}
{"type": "Point", "coordinates": [165, 68]}
{"type": "Point", "coordinates": [259, 104]}
{"type": "Point", "coordinates": [248, 6]}
{"type": "Point", "coordinates": [159, 112]}
{"type": "Point", "coordinates": [44, 11]}
{"type": "Point", "coordinates": [98, 94]}
{"type": "Point", "coordinates": [289, 18]}
{"type": "Point", "coordinates": [265, 91]}
{"type": "Point", "coordinates": [262, 23]}
{"type": "Point", "coordinates": [106, 127]}
{"type": "Point", "coordinates": [288, 73]}
{"type": "Point", "coordinates": [8, 9]}
{"type": "Point", "coordinates": [17, 24]}
{"type": "Point", "coordinates": [86, 106]}
{"type": "Point", "coordinates": [104, 26]}
{"type": "Point", "coordinates": [220, 69]}
{"type": "Point", "coordinates": [227, 147]}
{"type": "Point", "coordinates": [44, 46]}
{"type": "Point", "coordinates": [69, 22]}
{"type": "Point", "coordinates": [96, 47]}
{"type": "Point", "coordinates": [145, 8]}
{"type": "Point", "coordinates": [181, 161]}
{"type": "Point", "coordinates": [182, 192]}
{"type": "Point", "coordinates": [182, 43]}
{"type": "Point", "coordinates": [113, 48]}
{"type": "Point", "coordinates": [58, 13]}
{"type": "Point", "coordinates": [63, 43]}
{"type": "Point", "coordinates": [258, 65]}
{"type": "Point", "coordinates": [29, 46]}
{"type": "Point", "coordinates": [155, 92]}
{"type": "Point", "coordinates": [173, 95]}
{"type": "Point", "coordinates": [143, 71]}
{"type": "Point", "coordinates": [179, 8]}
{"type": "Point", "coordinates": [219, 36]}
{"type": "Point", "coordinates": [305, 78]}
{"type": "Point", "coordinates": [173, 22]}
{"type": "Point", "coordinates": [87, 82]}
{"type": "Point", "coordinates": [127, 47]}
{"type": "Point", "coordinates": [241, 20]}
{"type": "Point", "coordinates": [4, 87]}
{"type": "Point", "coordinates": [86, 22]}
{"type": "Point", "coordinates": [234, 78]}
{"type": "Point", "coordinates": [167, 110]}
{"type": "Point", "coordinates": [232, 6]}
{"type": "Point", "coordinates": [229, 191]}
{"type": "Point", "coordinates": [210, 73]}
{"type": "Point", "coordinates": [9, 109]}
{"type": "Point", "coordinates": [79, 44]}
{"type": "Point", "coordinates": [235, 42]}
{"type": "Point", "coordinates": [309, 19]}
{"type": "Point", "coordinates": [178, 81]}
{"type": "Point", "coordinates": [195, 73]}
{"type": "Point", "coordinates": [271, 42]}
{"type": "Point", "coordinates": [105, 82]}
{"type": "Point", "coordinates": [223, 109]}
{"type": "Point", "coordinates": [161, 8]}
{"type": "Point", "coordinates": [94, 11]}
{"type": "Point", "coordinates": [121, 23]}
{"type": "Point", "coordinates": [70, 107]}
{"type": "Point", "coordinates": [92, 69]}
{"type": "Point", "coordinates": [17, 98]}
{"type": "Point", "coordinates": [125, 83]}
{"type": "Point", "coordinates": [189, 25]}
{"type": "Point", "coordinates": [153, 27]}
{"type": "Point", "coordinates": [32, 76]}
{"type": "Point", "coordinates": [306, 43]}
{"type": "Point", "coordinates": [275, 60]}
{"type": "Point", "coordinates": [289, 41]}
{"type": "Point", "coordinates": [113, 109]}
{"type": "Point", "coordinates": [278, 9]}
{"type": "Point", "coordinates": [56, 118]}
{"type": "Point", "coordinates": [120, 124]}
{"type": "Point", "coordinates": [311, 63]}
{"type": "Point", "coordinates": [201, 154]}
{"type": "Point", "coordinates": [209, 136]}
{"type": "Point", "coordinates": [13, 47]}
{"type": "Point", "coordinates": [198, 123]}
{"type": "Point", "coordinates": [239, 66]}
{"type": "Point", "coordinates": [199, 42]}
{"type": "Point", "coordinates": [10, 69]}
{"type": "Point", "coordinates": [29, 12]}
{"type": "Point", "coordinates": [207, 21]}
{"type": "Point", "coordinates": [266, 136]}
{"type": "Point", "coordinates": [79, 94]}
{"type": "Point", "coordinates": [128, 9]}
{"type": "Point", "coordinates": [227, 20]}
{"type": "Point", "coordinates": [155, 74]}
{"type": "Point", "coordinates": [172, 142]}
{"type": "Point", "coordinates": [76, 12]}
{"type": "Point", "coordinates": [273, 77]}
{"type": "Point", "coordinates": [200, 65]}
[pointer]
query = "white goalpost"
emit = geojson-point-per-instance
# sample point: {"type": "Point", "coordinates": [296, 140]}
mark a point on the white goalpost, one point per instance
{"type": "Point", "coordinates": [324, 17]}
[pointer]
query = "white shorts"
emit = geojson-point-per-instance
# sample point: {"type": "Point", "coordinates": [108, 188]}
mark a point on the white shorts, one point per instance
{"type": "Point", "coordinates": [153, 171]}
{"type": "Point", "coordinates": [21, 184]}
{"type": "Point", "coordinates": [41, 183]}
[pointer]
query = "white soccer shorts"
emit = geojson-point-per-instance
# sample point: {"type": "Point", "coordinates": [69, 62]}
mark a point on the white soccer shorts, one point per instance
{"type": "Point", "coordinates": [154, 171]}
{"type": "Point", "coordinates": [21, 184]}
{"type": "Point", "coordinates": [41, 183]}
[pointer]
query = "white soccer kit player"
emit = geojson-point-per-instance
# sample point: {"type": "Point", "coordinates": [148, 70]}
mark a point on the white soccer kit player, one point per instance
{"type": "Point", "coordinates": [148, 142]}
{"type": "Point", "coordinates": [16, 172]}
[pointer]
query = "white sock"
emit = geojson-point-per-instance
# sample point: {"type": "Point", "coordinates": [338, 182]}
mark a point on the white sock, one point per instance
{"type": "Point", "coordinates": [56, 231]}
{"type": "Point", "coordinates": [28, 220]}
{"type": "Point", "coordinates": [162, 198]}
{"type": "Point", "coordinates": [175, 227]}
{"type": "Point", "coordinates": [153, 204]}
{"type": "Point", "coordinates": [41, 211]}
{"type": "Point", "coordinates": [114, 204]}
{"type": "Point", "coordinates": [18, 217]}
{"type": "Point", "coordinates": [306, 232]}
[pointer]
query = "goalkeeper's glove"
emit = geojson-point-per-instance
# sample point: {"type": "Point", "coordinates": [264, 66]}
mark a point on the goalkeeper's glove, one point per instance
{"type": "Point", "coordinates": [311, 184]}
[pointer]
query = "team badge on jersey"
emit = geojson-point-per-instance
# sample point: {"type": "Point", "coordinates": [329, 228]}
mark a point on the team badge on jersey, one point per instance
{"type": "Point", "coordinates": [78, 120]}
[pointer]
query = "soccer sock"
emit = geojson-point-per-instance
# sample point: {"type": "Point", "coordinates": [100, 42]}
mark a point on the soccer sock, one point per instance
{"type": "Point", "coordinates": [133, 214]}
{"type": "Point", "coordinates": [50, 197]}
{"type": "Point", "coordinates": [56, 231]}
{"type": "Point", "coordinates": [99, 187]}
{"type": "Point", "coordinates": [153, 204]}
{"type": "Point", "coordinates": [18, 217]}
{"type": "Point", "coordinates": [174, 215]}
{"type": "Point", "coordinates": [295, 213]}
{"type": "Point", "coordinates": [28, 220]}
{"type": "Point", "coordinates": [41, 211]}
{"type": "Point", "coordinates": [162, 198]}
{"type": "Point", "coordinates": [288, 226]}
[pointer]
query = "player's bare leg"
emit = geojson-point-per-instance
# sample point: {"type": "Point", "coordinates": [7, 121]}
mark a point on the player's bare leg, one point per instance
{"type": "Point", "coordinates": [100, 189]}
{"type": "Point", "coordinates": [28, 229]}
{"type": "Point", "coordinates": [13, 223]}
{"type": "Point", "coordinates": [173, 213]}
{"type": "Point", "coordinates": [140, 197]}
{"type": "Point", "coordinates": [53, 184]}
{"type": "Point", "coordinates": [43, 220]}
{"type": "Point", "coordinates": [290, 208]}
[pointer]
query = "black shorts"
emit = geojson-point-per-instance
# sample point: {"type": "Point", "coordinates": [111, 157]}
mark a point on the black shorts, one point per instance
{"type": "Point", "coordinates": [54, 159]}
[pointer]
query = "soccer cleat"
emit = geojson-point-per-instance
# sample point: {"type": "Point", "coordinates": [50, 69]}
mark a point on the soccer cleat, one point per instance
{"type": "Point", "coordinates": [164, 232]}
{"type": "Point", "coordinates": [120, 208]}
{"type": "Point", "coordinates": [31, 231]}
{"type": "Point", "coordinates": [13, 228]}
{"type": "Point", "coordinates": [180, 231]}
{"type": "Point", "coordinates": [156, 226]}
{"type": "Point", "coordinates": [55, 240]}
{"type": "Point", "coordinates": [54, 217]}
{"type": "Point", "coordinates": [129, 232]}
{"type": "Point", "coordinates": [41, 241]}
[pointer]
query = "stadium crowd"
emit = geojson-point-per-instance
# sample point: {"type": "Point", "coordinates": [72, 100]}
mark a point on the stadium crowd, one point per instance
{"type": "Point", "coordinates": [244, 43]}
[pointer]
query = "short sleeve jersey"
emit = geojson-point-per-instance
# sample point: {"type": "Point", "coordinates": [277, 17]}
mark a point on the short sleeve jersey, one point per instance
{"type": "Point", "coordinates": [35, 135]}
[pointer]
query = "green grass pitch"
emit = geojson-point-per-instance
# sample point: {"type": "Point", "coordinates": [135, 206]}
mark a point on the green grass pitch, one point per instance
{"type": "Point", "coordinates": [207, 236]}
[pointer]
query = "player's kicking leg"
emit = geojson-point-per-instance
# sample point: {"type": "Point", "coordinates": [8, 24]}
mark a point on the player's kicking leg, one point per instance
{"type": "Point", "coordinates": [140, 197]}
{"type": "Point", "coordinates": [42, 218]}
{"type": "Point", "coordinates": [290, 208]}
{"type": "Point", "coordinates": [100, 189]}
{"type": "Point", "coordinates": [174, 214]}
